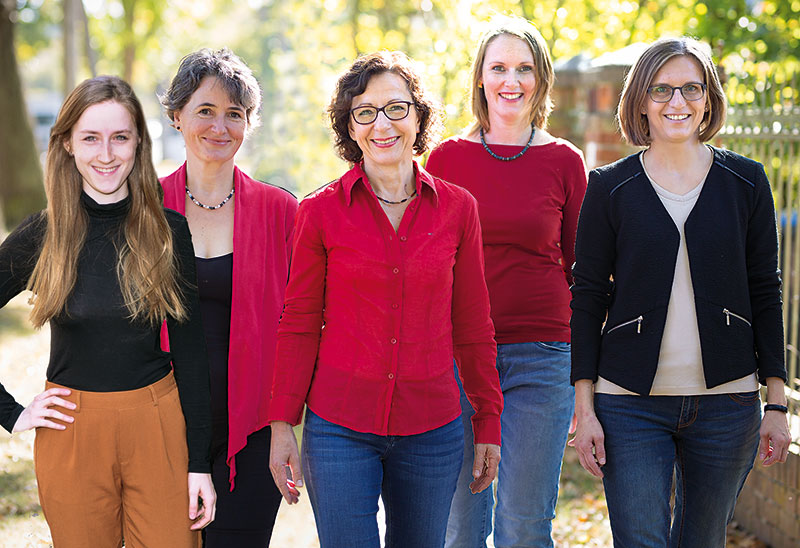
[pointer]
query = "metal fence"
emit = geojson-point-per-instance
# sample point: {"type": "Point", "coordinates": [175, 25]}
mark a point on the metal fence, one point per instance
{"type": "Point", "coordinates": [764, 124]}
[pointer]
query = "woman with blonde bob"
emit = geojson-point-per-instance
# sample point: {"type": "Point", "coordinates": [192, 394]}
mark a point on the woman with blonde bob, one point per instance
{"type": "Point", "coordinates": [107, 265]}
{"type": "Point", "coordinates": [529, 186]}
{"type": "Point", "coordinates": [676, 312]}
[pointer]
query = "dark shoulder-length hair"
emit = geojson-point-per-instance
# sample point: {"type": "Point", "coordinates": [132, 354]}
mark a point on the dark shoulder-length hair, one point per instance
{"type": "Point", "coordinates": [633, 122]}
{"type": "Point", "coordinates": [354, 82]}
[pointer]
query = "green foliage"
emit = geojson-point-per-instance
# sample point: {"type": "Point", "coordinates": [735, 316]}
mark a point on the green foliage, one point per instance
{"type": "Point", "coordinates": [297, 48]}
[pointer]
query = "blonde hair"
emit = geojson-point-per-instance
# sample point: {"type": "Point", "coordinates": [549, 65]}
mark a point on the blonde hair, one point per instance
{"type": "Point", "coordinates": [146, 267]}
{"type": "Point", "coordinates": [541, 103]}
{"type": "Point", "coordinates": [633, 123]}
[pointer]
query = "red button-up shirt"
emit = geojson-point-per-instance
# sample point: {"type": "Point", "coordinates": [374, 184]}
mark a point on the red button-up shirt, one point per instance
{"type": "Point", "coordinates": [373, 318]}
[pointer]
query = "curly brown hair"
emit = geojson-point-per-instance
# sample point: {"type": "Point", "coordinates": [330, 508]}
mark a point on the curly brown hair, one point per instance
{"type": "Point", "coordinates": [354, 82]}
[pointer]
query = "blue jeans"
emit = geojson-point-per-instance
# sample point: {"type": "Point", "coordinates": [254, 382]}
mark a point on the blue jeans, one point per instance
{"type": "Point", "coordinates": [538, 405]}
{"type": "Point", "coordinates": [709, 442]}
{"type": "Point", "coordinates": [346, 471]}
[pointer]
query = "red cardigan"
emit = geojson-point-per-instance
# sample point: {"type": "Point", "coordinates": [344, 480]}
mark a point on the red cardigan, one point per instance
{"type": "Point", "coordinates": [263, 224]}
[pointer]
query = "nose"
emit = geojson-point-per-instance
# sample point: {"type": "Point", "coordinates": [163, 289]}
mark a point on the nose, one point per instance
{"type": "Point", "coordinates": [106, 152]}
{"type": "Point", "coordinates": [382, 121]}
{"type": "Point", "coordinates": [677, 98]}
{"type": "Point", "coordinates": [218, 125]}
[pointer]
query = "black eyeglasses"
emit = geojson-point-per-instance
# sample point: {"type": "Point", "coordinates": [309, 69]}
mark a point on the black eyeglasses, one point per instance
{"type": "Point", "coordinates": [693, 91]}
{"type": "Point", "coordinates": [396, 110]}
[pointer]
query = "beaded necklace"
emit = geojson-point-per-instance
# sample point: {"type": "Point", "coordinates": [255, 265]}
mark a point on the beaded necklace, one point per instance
{"type": "Point", "coordinates": [404, 200]}
{"type": "Point", "coordinates": [204, 206]}
{"type": "Point", "coordinates": [507, 158]}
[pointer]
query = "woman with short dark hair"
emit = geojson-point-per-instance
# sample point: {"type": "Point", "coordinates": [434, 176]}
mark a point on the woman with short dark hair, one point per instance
{"type": "Point", "coordinates": [241, 230]}
{"type": "Point", "coordinates": [386, 289]}
{"type": "Point", "coordinates": [676, 312]}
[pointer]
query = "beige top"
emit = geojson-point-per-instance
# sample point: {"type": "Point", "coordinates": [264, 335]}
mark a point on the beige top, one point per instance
{"type": "Point", "coordinates": [680, 363]}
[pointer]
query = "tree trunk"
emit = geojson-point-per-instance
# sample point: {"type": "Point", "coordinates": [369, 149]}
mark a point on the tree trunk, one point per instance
{"type": "Point", "coordinates": [21, 189]}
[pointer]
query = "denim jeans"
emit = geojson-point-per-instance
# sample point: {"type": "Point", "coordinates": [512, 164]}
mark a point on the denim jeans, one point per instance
{"type": "Point", "coordinates": [538, 405]}
{"type": "Point", "coordinates": [710, 443]}
{"type": "Point", "coordinates": [347, 471]}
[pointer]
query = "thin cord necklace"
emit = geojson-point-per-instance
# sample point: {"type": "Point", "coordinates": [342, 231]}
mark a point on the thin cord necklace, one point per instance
{"type": "Point", "coordinates": [385, 201]}
{"type": "Point", "coordinates": [507, 158]}
{"type": "Point", "coordinates": [204, 206]}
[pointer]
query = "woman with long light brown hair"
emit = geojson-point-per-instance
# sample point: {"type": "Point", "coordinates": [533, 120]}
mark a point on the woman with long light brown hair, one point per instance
{"type": "Point", "coordinates": [107, 265]}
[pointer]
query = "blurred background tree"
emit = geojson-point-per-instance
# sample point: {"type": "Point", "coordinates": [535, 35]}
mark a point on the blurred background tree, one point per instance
{"type": "Point", "coordinates": [298, 47]}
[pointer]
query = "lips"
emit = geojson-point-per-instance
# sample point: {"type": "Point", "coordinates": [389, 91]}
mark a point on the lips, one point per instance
{"type": "Point", "coordinates": [387, 142]}
{"type": "Point", "coordinates": [105, 170]}
{"type": "Point", "coordinates": [511, 96]}
{"type": "Point", "coordinates": [677, 117]}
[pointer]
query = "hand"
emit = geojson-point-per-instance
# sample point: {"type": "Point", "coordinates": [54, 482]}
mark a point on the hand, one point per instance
{"type": "Point", "coordinates": [484, 467]}
{"type": "Point", "coordinates": [589, 442]}
{"type": "Point", "coordinates": [202, 500]}
{"type": "Point", "coordinates": [40, 412]}
{"type": "Point", "coordinates": [775, 438]}
{"type": "Point", "coordinates": [283, 452]}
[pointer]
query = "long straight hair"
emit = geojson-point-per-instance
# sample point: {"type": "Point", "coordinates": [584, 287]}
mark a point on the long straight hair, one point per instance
{"type": "Point", "coordinates": [146, 266]}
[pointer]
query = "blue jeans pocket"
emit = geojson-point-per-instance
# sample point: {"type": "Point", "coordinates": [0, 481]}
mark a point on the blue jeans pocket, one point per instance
{"type": "Point", "coordinates": [744, 398]}
{"type": "Point", "coordinates": [556, 346]}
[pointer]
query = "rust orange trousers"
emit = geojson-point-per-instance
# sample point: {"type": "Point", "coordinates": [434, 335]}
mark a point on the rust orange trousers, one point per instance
{"type": "Point", "coordinates": [119, 471]}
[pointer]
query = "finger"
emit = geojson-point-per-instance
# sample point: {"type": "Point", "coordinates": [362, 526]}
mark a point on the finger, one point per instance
{"type": "Point", "coordinates": [193, 509]}
{"type": "Point", "coordinates": [763, 445]}
{"type": "Point", "coordinates": [600, 451]}
{"type": "Point", "coordinates": [279, 475]}
{"type": "Point", "coordinates": [54, 392]}
{"type": "Point", "coordinates": [573, 424]}
{"type": "Point", "coordinates": [53, 414]}
{"type": "Point", "coordinates": [587, 460]}
{"type": "Point", "coordinates": [478, 461]}
{"type": "Point", "coordinates": [61, 403]}
{"type": "Point", "coordinates": [42, 422]}
{"type": "Point", "coordinates": [296, 468]}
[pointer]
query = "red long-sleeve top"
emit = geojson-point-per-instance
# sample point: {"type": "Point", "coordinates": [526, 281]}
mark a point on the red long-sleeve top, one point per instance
{"type": "Point", "coordinates": [529, 212]}
{"type": "Point", "coordinates": [374, 318]}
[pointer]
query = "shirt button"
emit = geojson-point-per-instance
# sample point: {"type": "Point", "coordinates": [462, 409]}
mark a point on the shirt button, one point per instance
{"type": "Point", "coordinates": [402, 238]}
{"type": "Point", "coordinates": [391, 375]}
{"type": "Point", "coordinates": [394, 341]}
{"type": "Point", "coordinates": [396, 270]}
{"type": "Point", "coordinates": [395, 306]}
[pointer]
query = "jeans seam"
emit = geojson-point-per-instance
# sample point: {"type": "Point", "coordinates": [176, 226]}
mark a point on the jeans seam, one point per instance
{"type": "Point", "coordinates": [695, 400]}
{"type": "Point", "coordinates": [683, 495]}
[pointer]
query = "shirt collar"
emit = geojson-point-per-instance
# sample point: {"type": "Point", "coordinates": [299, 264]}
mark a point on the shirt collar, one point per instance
{"type": "Point", "coordinates": [423, 179]}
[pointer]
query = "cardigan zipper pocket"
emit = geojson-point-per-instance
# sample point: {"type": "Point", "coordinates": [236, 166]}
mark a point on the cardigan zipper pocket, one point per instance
{"type": "Point", "coordinates": [728, 315]}
{"type": "Point", "coordinates": [638, 321]}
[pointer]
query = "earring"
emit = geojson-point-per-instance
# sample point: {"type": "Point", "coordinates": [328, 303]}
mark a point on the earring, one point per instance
{"type": "Point", "coordinates": [178, 128]}
{"type": "Point", "coordinates": [480, 85]}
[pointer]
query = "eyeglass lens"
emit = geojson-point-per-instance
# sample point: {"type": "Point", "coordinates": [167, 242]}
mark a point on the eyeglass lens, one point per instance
{"type": "Point", "coordinates": [663, 94]}
{"type": "Point", "coordinates": [393, 111]}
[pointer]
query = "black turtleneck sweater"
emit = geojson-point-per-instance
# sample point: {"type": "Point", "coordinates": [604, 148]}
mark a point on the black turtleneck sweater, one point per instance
{"type": "Point", "coordinates": [94, 345]}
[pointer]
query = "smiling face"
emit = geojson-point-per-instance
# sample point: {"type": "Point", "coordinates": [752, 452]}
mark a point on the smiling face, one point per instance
{"type": "Point", "coordinates": [385, 143]}
{"type": "Point", "coordinates": [678, 120]}
{"type": "Point", "coordinates": [508, 78]}
{"type": "Point", "coordinates": [103, 143]}
{"type": "Point", "coordinates": [213, 126]}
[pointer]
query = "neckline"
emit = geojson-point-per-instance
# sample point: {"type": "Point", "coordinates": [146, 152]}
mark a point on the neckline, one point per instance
{"type": "Point", "coordinates": [218, 257]}
{"type": "Point", "coordinates": [112, 210]}
{"type": "Point", "coordinates": [692, 193]}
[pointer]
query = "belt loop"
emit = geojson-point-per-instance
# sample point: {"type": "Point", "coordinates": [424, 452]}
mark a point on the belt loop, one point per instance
{"type": "Point", "coordinates": [153, 394]}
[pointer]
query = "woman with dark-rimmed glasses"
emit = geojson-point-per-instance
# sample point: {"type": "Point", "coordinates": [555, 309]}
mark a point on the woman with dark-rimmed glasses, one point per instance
{"type": "Point", "coordinates": [676, 312]}
{"type": "Point", "coordinates": [386, 288]}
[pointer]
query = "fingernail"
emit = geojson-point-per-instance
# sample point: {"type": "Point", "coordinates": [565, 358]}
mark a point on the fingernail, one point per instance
{"type": "Point", "coordinates": [299, 483]}
{"type": "Point", "coordinates": [476, 474]}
